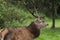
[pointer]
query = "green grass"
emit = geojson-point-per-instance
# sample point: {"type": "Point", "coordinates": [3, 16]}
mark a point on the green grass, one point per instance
{"type": "Point", "coordinates": [50, 34]}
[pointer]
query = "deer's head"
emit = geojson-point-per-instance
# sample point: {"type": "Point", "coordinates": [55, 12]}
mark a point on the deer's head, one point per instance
{"type": "Point", "coordinates": [39, 22]}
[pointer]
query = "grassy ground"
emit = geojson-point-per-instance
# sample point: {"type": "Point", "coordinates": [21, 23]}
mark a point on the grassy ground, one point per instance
{"type": "Point", "coordinates": [50, 34]}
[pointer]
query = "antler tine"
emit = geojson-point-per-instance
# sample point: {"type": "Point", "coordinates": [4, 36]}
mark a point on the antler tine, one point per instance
{"type": "Point", "coordinates": [34, 15]}
{"type": "Point", "coordinates": [32, 12]}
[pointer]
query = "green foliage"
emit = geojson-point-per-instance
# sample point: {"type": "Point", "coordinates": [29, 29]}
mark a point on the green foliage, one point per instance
{"type": "Point", "coordinates": [13, 15]}
{"type": "Point", "coordinates": [41, 6]}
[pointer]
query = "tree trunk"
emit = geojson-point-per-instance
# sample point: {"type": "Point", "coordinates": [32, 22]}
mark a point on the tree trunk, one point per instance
{"type": "Point", "coordinates": [53, 14]}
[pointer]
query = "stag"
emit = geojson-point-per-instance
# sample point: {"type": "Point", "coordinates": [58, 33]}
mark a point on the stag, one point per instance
{"type": "Point", "coordinates": [25, 33]}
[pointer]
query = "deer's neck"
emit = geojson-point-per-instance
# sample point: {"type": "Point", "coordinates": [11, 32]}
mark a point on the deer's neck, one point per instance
{"type": "Point", "coordinates": [34, 30]}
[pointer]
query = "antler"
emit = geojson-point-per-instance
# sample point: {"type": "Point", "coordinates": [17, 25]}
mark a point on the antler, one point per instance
{"type": "Point", "coordinates": [34, 15]}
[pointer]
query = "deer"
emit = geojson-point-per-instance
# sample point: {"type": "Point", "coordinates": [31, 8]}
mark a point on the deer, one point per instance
{"type": "Point", "coordinates": [29, 32]}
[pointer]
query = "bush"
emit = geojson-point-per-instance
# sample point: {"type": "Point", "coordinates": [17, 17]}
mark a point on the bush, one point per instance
{"type": "Point", "coordinates": [13, 16]}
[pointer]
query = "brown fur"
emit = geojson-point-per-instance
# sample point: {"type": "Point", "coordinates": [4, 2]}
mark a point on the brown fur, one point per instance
{"type": "Point", "coordinates": [18, 34]}
{"type": "Point", "coordinates": [26, 33]}
{"type": "Point", "coordinates": [3, 32]}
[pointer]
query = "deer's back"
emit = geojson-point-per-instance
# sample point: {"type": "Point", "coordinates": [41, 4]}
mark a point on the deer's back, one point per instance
{"type": "Point", "coordinates": [18, 34]}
